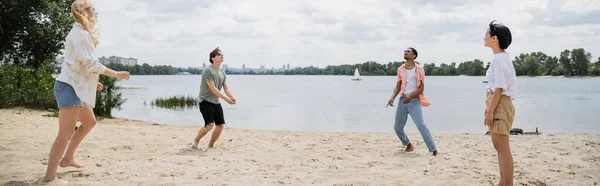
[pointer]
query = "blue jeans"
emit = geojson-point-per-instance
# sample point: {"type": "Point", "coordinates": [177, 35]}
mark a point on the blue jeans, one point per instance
{"type": "Point", "coordinates": [415, 110]}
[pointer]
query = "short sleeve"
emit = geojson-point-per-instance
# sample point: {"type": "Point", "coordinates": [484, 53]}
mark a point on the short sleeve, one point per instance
{"type": "Point", "coordinates": [500, 75]}
{"type": "Point", "coordinates": [207, 75]}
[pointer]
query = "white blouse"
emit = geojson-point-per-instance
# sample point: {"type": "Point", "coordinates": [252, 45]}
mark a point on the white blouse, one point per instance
{"type": "Point", "coordinates": [81, 67]}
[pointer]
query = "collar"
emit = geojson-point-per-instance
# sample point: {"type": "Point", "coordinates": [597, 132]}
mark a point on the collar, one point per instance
{"type": "Point", "coordinates": [77, 24]}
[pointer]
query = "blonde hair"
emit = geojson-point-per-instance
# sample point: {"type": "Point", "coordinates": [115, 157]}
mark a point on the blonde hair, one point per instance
{"type": "Point", "coordinates": [80, 14]}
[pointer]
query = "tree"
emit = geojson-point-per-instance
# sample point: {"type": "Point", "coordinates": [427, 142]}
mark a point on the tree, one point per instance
{"type": "Point", "coordinates": [595, 69]}
{"type": "Point", "coordinates": [471, 68]}
{"type": "Point", "coordinates": [580, 61]}
{"type": "Point", "coordinates": [565, 61]}
{"type": "Point", "coordinates": [519, 63]}
{"type": "Point", "coordinates": [430, 69]}
{"type": "Point", "coordinates": [530, 66]}
{"type": "Point", "coordinates": [558, 71]}
{"type": "Point", "coordinates": [549, 65]}
{"type": "Point", "coordinates": [32, 32]}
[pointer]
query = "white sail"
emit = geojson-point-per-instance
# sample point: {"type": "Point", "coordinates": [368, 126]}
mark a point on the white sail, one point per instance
{"type": "Point", "coordinates": [356, 74]}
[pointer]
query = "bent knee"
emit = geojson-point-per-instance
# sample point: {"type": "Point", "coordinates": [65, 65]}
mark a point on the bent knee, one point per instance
{"type": "Point", "coordinates": [210, 125]}
{"type": "Point", "coordinates": [89, 124]}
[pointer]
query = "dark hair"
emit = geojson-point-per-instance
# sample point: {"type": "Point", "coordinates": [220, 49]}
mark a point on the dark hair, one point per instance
{"type": "Point", "coordinates": [414, 51]}
{"type": "Point", "coordinates": [502, 33]}
{"type": "Point", "coordinates": [216, 52]}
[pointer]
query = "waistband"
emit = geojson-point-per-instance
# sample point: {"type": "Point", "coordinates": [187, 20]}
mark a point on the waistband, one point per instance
{"type": "Point", "coordinates": [490, 93]}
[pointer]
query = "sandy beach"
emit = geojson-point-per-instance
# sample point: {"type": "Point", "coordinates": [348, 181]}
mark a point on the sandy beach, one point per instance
{"type": "Point", "coordinates": [125, 152]}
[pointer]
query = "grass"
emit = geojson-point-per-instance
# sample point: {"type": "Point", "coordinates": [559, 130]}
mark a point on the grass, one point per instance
{"type": "Point", "coordinates": [53, 114]}
{"type": "Point", "coordinates": [175, 102]}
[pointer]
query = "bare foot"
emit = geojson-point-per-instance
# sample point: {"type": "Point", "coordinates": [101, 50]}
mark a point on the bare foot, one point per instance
{"type": "Point", "coordinates": [195, 145]}
{"type": "Point", "coordinates": [69, 163]}
{"type": "Point", "coordinates": [435, 153]}
{"type": "Point", "coordinates": [55, 180]}
{"type": "Point", "coordinates": [409, 148]}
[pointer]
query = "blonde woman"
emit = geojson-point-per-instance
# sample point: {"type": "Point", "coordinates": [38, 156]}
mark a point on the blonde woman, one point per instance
{"type": "Point", "coordinates": [75, 88]}
{"type": "Point", "coordinates": [500, 111]}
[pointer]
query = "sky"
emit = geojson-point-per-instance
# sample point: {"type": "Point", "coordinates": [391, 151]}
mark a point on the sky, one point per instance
{"type": "Point", "coordinates": [273, 33]}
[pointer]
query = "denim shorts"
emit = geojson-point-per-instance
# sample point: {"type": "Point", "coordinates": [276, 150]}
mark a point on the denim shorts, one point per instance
{"type": "Point", "coordinates": [65, 95]}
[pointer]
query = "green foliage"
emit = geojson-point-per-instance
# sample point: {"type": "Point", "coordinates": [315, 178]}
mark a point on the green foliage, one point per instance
{"type": "Point", "coordinates": [32, 31]}
{"type": "Point", "coordinates": [21, 87]}
{"type": "Point", "coordinates": [595, 68]}
{"type": "Point", "coordinates": [581, 61]}
{"type": "Point", "coordinates": [558, 71]}
{"type": "Point", "coordinates": [549, 65]}
{"type": "Point", "coordinates": [27, 88]}
{"type": "Point", "coordinates": [175, 102]}
{"type": "Point", "coordinates": [108, 98]}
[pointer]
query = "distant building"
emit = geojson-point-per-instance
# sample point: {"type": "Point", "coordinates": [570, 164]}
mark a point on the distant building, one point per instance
{"type": "Point", "coordinates": [112, 59]}
{"type": "Point", "coordinates": [131, 61]}
{"type": "Point", "coordinates": [119, 60]}
{"type": "Point", "coordinates": [104, 60]}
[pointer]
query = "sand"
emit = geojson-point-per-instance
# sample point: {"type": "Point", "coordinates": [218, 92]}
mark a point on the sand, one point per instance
{"type": "Point", "coordinates": [125, 152]}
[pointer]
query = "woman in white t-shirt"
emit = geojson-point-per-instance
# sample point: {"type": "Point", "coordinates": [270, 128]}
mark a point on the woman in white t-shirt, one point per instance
{"type": "Point", "coordinates": [500, 112]}
{"type": "Point", "coordinates": [75, 88]}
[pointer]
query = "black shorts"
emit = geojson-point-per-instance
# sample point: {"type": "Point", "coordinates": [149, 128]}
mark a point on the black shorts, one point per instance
{"type": "Point", "coordinates": [212, 113]}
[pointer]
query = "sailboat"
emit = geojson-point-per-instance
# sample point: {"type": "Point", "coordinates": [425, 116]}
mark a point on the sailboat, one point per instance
{"type": "Point", "coordinates": [356, 75]}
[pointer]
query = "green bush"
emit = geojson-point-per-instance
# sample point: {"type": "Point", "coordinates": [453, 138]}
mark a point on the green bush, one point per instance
{"type": "Point", "coordinates": [27, 88]}
{"type": "Point", "coordinates": [21, 87]}
{"type": "Point", "coordinates": [108, 98]}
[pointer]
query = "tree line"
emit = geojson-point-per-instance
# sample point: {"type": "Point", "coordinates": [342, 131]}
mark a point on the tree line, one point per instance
{"type": "Point", "coordinates": [146, 69]}
{"type": "Point", "coordinates": [575, 62]}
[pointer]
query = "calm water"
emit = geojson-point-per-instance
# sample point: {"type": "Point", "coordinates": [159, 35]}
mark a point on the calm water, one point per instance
{"type": "Point", "coordinates": [334, 103]}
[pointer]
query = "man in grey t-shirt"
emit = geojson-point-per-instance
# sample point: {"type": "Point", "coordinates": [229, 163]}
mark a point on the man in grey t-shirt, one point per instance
{"type": "Point", "coordinates": [213, 80]}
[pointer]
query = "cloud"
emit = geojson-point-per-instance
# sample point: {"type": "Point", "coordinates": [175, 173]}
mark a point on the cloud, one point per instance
{"type": "Point", "coordinates": [304, 33]}
{"type": "Point", "coordinates": [562, 13]}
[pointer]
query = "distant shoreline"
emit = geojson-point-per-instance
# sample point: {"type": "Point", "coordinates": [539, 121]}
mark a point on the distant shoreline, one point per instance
{"type": "Point", "coordinates": [54, 75]}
